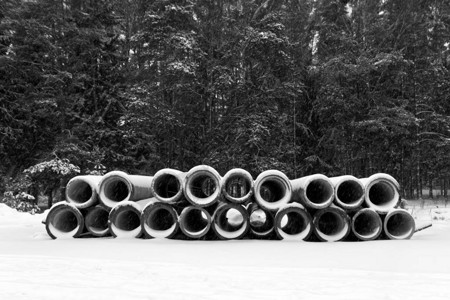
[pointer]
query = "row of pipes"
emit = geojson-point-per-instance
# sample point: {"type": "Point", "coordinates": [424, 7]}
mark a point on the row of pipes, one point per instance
{"type": "Point", "coordinates": [201, 204]}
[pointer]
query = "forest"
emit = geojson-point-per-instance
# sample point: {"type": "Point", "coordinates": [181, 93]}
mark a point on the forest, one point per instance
{"type": "Point", "coordinates": [302, 86]}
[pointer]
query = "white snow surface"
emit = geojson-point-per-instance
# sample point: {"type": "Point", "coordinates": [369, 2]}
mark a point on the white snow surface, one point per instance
{"type": "Point", "coordinates": [33, 266]}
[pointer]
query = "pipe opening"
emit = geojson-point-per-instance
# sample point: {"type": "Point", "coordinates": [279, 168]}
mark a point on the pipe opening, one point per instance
{"type": "Point", "coordinates": [237, 186]}
{"type": "Point", "coordinates": [230, 220]}
{"type": "Point", "coordinates": [97, 220]}
{"type": "Point", "coordinates": [367, 225]}
{"type": "Point", "coordinates": [400, 226]}
{"type": "Point", "coordinates": [203, 186]}
{"type": "Point", "coordinates": [167, 186]}
{"type": "Point", "coordinates": [116, 190]}
{"type": "Point", "coordinates": [64, 221]}
{"type": "Point", "coordinates": [331, 225]}
{"type": "Point", "coordinates": [195, 221]}
{"type": "Point", "coordinates": [260, 221]}
{"type": "Point", "coordinates": [272, 190]}
{"type": "Point", "coordinates": [319, 191]}
{"type": "Point", "coordinates": [160, 219]}
{"type": "Point", "coordinates": [127, 220]}
{"type": "Point", "coordinates": [293, 223]}
{"type": "Point", "coordinates": [349, 192]}
{"type": "Point", "coordinates": [79, 191]}
{"type": "Point", "coordinates": [381, 193]}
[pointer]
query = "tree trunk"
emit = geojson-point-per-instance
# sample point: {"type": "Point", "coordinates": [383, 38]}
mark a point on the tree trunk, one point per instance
{"type": "Point", "coordinates": [50, 198]}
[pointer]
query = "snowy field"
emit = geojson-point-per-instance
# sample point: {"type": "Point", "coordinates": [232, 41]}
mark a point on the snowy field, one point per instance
{"type": "Point", "coordinates": [32, 266]}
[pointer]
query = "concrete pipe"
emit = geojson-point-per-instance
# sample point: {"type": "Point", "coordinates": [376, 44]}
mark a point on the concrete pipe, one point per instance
{"type": "Point", "coordinates": [167, 185]}
{"type": "Point", "coordinates": [118, 186]}
{"type": "Point", "coordinates": [64, 220]}
{"type": "Point", "coordinates": [125, 220]}
{"type": "Point", "coordinates": [202, 186]}
{"type": "Point", "coordinates": [82, 190]}
{"type": "Point", "coordinates": [313, 191]}
{"type": "Point", "coordinates": [381, 192]}
{"type": "Point", "coordinates": [293, 222]}
{"type": "Point", "coordinates": [348, 191]}
{"type": "Point", "coordinates": [159, 220]}
{"type": "Point", "coordinates": [230, 221]}
{"type": "Point", "coordinates": [367, 224]}
{"type": "Point", "coordinates": [262, 221]}
{"type": "Point", "coordinates": [195, 222]}
{"type": "Point", "coordinates": [96, 221]}
{"type": "Point", "coordinates": [331, 224]}
{"type": "Point", "coordinates": [399, 224]}
{"type": "Point", "coordinates": [273, 190]}
{"type": "Point", "coordinates": [237, 186]}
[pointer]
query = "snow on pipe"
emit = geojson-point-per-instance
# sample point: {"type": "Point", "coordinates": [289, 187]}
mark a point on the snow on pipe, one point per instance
{"type": "Point", "coordinates": [230, 221]}
{"type": "Point", "coordinates": [293, 223]}
{"type": "Point", "coordinates": [195, 222]}
{"type": "Point", "coordinates": [159, 220]}
{"type": "Point", "coordinates": [96, 221]}
{"type": "Point", "coordinates": [314, 191]}
{"type": "Point", "coordinates": [64, 220]}
{"type": "Point", "coordinates": [167, 185]}
{"type": "Point", "coordinates": [237, 186]}
{"type": "Point", "coordinates": [202, 186]}
{"type": "Point", "coordinates": [273, 190]}
{"type": "Point", "coordinates": [367, 224]}
{"type": "Point", "coordinates": [331, 224]}
{"type": "Point", "coordinates": [381, 192]}
{"type": "Point", "coordinates": [399, 224]}
{"type": "Point", "coordinates": [348, 191]}
{"type": "Point", "coordinates": [262, 221]}
{"type": "Point", "coordinates": [125, 219]}
{"type": "Point", "coordinates": [82, 190]}
{"type": "Point", "coordinates": [118, 186]}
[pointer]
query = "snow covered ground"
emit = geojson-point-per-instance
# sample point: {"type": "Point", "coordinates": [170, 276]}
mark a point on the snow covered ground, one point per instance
{"type": "Point", "coordinates": [32, 266]}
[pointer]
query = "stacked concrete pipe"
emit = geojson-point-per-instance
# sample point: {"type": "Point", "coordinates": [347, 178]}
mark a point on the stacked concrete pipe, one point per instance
{"type": "Point", "coordinates": [313, 191]}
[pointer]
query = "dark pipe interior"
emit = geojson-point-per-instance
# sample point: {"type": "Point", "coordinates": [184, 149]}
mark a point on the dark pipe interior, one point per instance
{"type": "Point", "coordinates": [237, 186]}
{"type": "Point", "coordinates": [203, 186]}
{"type": "Point", "coordinates": [319, 191]}
{"type": "Point", "coordinates": [160, 218]}
{"type": "Point", "coordinates": [195, 220]}
{"type": "Point", "coordinates": [272, 190]}
{"type": "Point", "coordinates": [167, 186]}
{"type": "Point", "coordinates": [330, 223]}
{"type": "Point", "coordinates": [366, 224]}
{"type": "Point", "coordinates": [97, 220]}
{"type": "Point", "coordinates": [127, 219]}
{"type": "Point", "coordinates": [381, 193]}
{"type": "Point", "coordinates": [260, 221]}
{"type": "Point", "coordinates": [399, 224]}
{"type": "Point", "coordinates": [64, 220]}
{"type": "Point", "coordinates": [230, 219]}
{"type": "Point", "coordinates": [116, 190]}
{"type": "Point", "coordinates": [79, 191]}
{"type": "Point", "coordinates": [349, 192]}
{"type": "Point", "coordinates": [293, 223]}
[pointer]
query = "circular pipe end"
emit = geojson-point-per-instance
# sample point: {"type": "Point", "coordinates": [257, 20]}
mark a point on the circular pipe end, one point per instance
{"type": "Point", "coordinates": [81, 192]}
{"type": "Point", "coordinates": [96, 221]}
{"type": "Point", "coordinates": [349, 192]}
{"type": "Point", "coordinates": [273, 190]}
{"type": "Point", "coordinates": [230, 221]}
{"type": "Point", "coordinates": [167, 185]}
{"type": "Point", "coordinates": [64, 220]}
{"type": "Point", "coordinates": [382, 194]}
{"type": "Point", "coordinates": [399, 225]}
{"type": "Point", "coordinates": [367, 224]}
{"type": "Point", "coordinates": [237, 185]}
{"type": "Point", "coordinates": [202, 186]}
{"type": "Point", "coordinates": [318, 192]}
{"type": "Point", "coordinates": [262, 222]}
{"type": "Point", "coordinates": [115, 188]}
{"type": "Point", "coordinates": [159, 220]}
{"type": "Point", "coordinates": [125, 220]}
{"type": "Point", "coordinates": [293, 223]}
{"type": "Point", "coordinates": [195, 222]}
{"type": "Point", "coordinates": [331, 224]}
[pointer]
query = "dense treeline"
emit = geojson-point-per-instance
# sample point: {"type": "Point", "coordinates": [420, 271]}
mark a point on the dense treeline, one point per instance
{"type": "Point", "coordinates": [303, 86]}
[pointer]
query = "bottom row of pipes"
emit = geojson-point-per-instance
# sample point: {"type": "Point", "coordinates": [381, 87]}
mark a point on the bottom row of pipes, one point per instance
{"type": "Point", "coordinates": [152, 219]}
